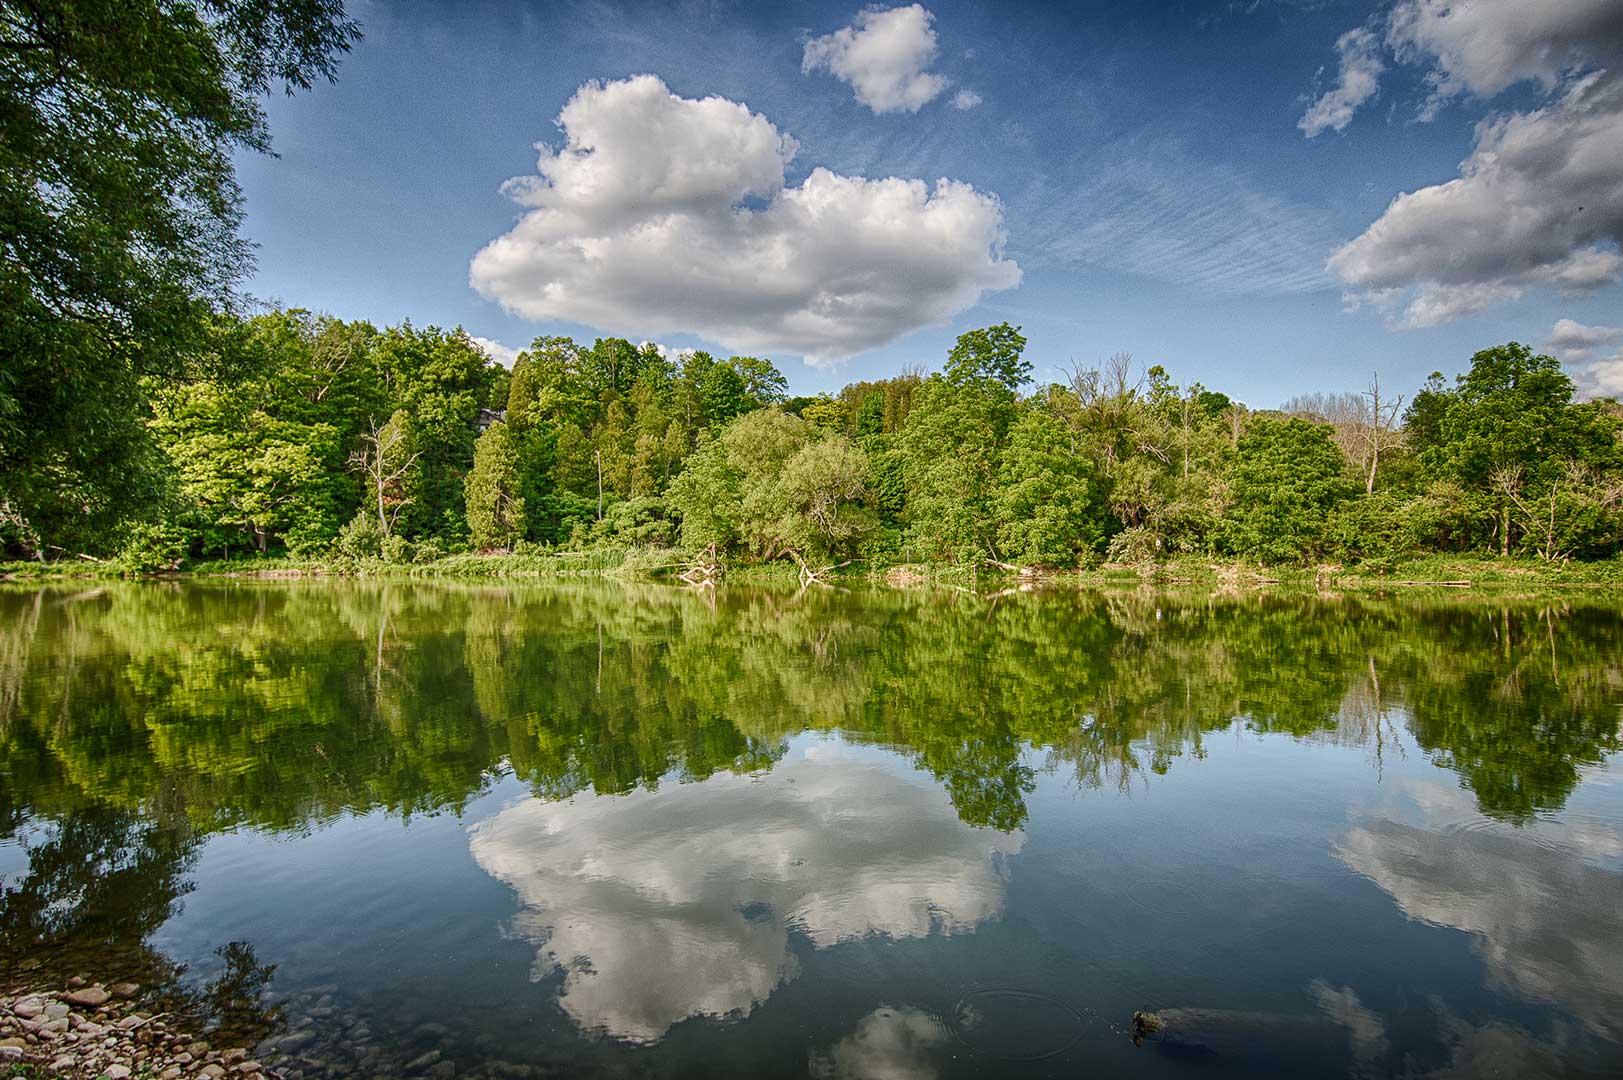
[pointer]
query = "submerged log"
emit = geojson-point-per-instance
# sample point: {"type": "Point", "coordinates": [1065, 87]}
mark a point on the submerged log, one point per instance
{"type": "Point", "coordinates": [1230, 1031]}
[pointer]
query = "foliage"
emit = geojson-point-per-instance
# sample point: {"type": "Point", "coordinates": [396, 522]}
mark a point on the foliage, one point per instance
{"type": "Point", "coordinates": [121, 208]}
{"type": "Point", "coordinates": [495, 507]}
{"type": "Point", "coordinates": [1288, 476]}
{"type": "Point", "coordinates": [362, 538]}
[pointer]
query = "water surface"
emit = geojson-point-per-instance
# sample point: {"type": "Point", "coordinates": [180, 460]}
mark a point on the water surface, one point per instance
{"type": "Point", "coordinates": [631, 830]}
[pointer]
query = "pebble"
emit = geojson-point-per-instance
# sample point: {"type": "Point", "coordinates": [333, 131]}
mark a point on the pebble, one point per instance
{"type": "Point", "coordinates": [91, 997]}
{"type": "Point", "coordinates": [116, 1072]}
{"type": "Point", "coordinates": [422, 1062]}
{"type": "Point", "coordinates": [124, 990]}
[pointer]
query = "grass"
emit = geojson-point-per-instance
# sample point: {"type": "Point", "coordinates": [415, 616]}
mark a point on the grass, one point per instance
{"type": "Point", "coordinates": [1431, 571]}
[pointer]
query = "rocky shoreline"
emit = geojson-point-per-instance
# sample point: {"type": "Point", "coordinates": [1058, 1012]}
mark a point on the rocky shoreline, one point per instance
{"type": "Point", "coordinates": [89, 1030]}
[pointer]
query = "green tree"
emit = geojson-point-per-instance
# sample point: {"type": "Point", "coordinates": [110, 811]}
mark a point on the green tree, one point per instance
{"type": "Point", "coordinates": [120, 208]}
{"type": "Point", "coordinates": [1049, 505]}
{"type": "Point", "coordinates": [440, 378]}
{"type": "Point", "coordinates": [1288, 477]}
{"type": "Point", "coordinates": [1509, 435]}
{"type": "Point", "coordinates": [495, 505]}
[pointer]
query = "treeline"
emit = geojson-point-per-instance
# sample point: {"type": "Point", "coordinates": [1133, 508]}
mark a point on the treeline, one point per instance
{"type": "Point", "coordinates": [321, 438]}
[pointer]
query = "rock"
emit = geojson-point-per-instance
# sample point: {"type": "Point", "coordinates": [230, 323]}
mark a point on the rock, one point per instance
{"type": "Point", "coordinates": [75, 982]}
{"type": "Point", "coordinates": [116, 1072]}
{"type": "Point", "coordinates": [173, 1072]}
{"type": "Point", "coordinates": [29, 1007]}
{"type": "Point", "coordinates": [443, 1071]}
{"type": "Point", "coordinates": [233, 1055]}
{"type": "Point", "coordinates": [421, 1063]}
{"type": "Point", "coordinates": [10, 1053]}
{"type": "Point", "coordinates": [433, 1031]}
{"type": "Point", "coordinates": [56, 1011]}
{"type": "Point", "coordinates": [130, 1021]}
{"type": "Point", "coordinates": [124, 990]}
{"type": "Point", "coordinates": [91, 997]}
{"type": "Point", "coordinates": [213, 1072]}
{"type": "Point", "coordinates": [247, 1066]}
{"type": "Point", "coordinates": [184, 1057]}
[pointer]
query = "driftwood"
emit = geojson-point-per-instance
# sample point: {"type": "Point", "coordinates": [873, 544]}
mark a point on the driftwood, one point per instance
{"type": "Point", "coordinates": [704, 570]}
{"type": "Point", "coordinates": [1230, 1031]}
{"type": "Point", "coordinates": [810, 575]}
{"type": "Point", "coordinates": [1023, 571]}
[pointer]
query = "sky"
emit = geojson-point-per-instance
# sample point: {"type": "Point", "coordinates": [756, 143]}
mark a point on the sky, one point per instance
{"type": "Point", "coordinates": [1270, 197]}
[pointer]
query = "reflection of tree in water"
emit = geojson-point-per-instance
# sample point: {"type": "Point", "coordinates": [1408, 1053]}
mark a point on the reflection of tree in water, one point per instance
{"type": "Point", "coordinates": [284, 705]}
{"type": "Point", "coordinates": [99, 883]}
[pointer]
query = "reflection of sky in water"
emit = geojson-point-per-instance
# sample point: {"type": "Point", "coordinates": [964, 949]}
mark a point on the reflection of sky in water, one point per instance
{"type": "Point", "coordinates": [1545, 902]}
{"type": "Point", "coordinates": [888, 1044]}
{"type": "Point", "coordinates": [676, 903]}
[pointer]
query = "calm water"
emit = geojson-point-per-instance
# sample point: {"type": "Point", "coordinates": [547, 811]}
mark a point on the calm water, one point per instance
{"type": "Point", "coordinates": [632, 830]}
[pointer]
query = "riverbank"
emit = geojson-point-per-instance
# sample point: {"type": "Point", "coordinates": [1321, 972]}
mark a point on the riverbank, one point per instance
{"type": "Point", "coordinates": [1429, 572]}
{"type": "Point", "coordinates": [93, 1031]}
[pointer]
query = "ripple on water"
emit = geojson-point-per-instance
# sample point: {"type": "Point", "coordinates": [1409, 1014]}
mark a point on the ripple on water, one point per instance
{"type": "Point", "coordinates": [1010, 1024]}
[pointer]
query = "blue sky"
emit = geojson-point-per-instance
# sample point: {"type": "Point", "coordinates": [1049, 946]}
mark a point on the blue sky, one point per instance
{"type": "Point", "coordinates": [1147, 168]}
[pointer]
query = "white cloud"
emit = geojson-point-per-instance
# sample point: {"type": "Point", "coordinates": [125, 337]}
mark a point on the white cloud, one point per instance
{"type": "Point", "coordinates": [679, 902]}
{"type": "Point", "coordinates": [1539, 202]}
{"type": "Point", "coordinates": [883, 57]}
{"type": "Point", "coordinates": [662, 214]}
{"type": "Point", "coordinates": [1574, 342]}
{"type": "Point", "coordinates": [505, 355]}
{"type": "Point", "coordinates": [1485, 46]}
{"type": "Point", "coordinates": [1356, 82]}
{"type": "Point", "coordinates": [964, 100]}
{"type": "Point", "coordinates": [1482, 47]}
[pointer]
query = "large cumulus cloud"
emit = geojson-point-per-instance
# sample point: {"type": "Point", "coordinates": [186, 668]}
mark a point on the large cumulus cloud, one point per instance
{"type": "Point", "coordinates": [1539, 200]}
{"type": "Point", "coordinates": [661, 214]}
{"type": "Point", "coordinates": [663, 905]}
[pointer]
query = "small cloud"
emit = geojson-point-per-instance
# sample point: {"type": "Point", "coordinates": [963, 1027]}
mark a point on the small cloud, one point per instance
{"type": "Point", "coordinates": [1572, 341]}
{"type": "Point", "coordinates": [1359, 78]}
{"type": "Point", "coordinates": [505, 355]}
{"type": "Point", "coordinates": [1575, 345]}
{"type": "Point", "coordinates": [964, 100]}
{"type": "Point", "coordinates": [883, 57]}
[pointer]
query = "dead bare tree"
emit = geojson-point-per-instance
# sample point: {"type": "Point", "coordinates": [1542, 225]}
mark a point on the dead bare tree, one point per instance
{"type": "Point", "coordinates": [1381, 430]}
{"type": "Point", "coordinates": [384, 462]}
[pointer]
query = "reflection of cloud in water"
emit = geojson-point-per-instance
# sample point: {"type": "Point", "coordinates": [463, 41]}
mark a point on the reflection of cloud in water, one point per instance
{"type": "Point", "coordinates": [676, 903]}
{"type": "Point", "coordinates": [1547, 917]}
{"type": "Point", "coordinates": [888, 1044]}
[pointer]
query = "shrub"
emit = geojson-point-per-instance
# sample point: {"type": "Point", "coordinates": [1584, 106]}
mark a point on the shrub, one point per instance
{"type": "Point", "coordinates": [395, 549]}
{"type": "Point", "coordinates": [362, 538]}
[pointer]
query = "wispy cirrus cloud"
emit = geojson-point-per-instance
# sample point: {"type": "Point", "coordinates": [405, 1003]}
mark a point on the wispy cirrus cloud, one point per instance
{"type": "Point", "coordinates": [1148, 207]}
